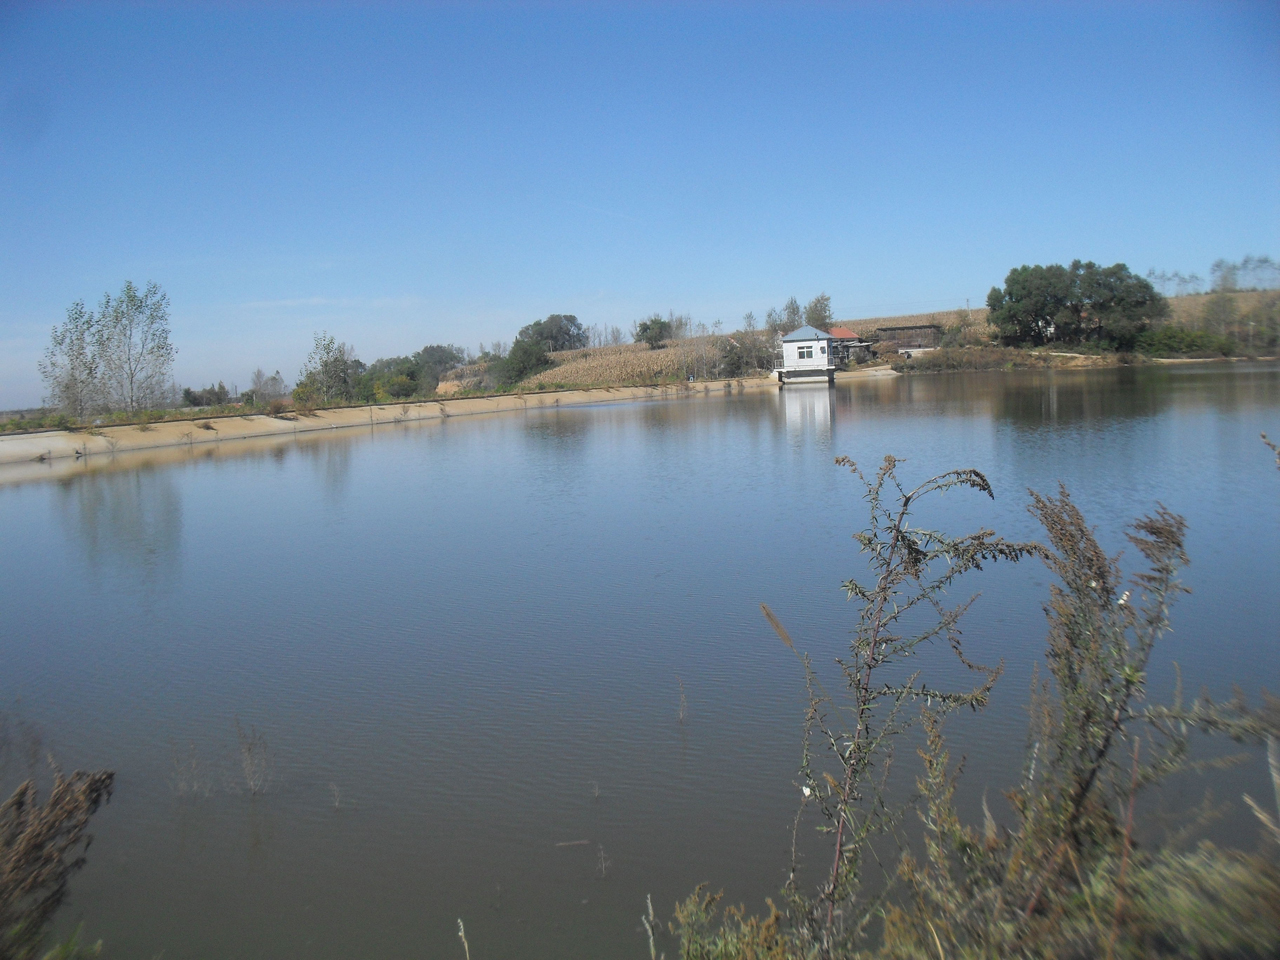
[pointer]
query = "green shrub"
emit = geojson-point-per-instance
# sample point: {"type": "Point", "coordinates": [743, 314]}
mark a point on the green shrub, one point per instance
{"type": "Point", "coordinates": [526, 358]}
{"type": "Point", "coordinates": [1171, 341]}
{"type": "Point", "coordinates": [47, 421]}
{"type": "Point", "coordinates": [401, 387]}
{"type": "Point", "coordinates": [970, 358]}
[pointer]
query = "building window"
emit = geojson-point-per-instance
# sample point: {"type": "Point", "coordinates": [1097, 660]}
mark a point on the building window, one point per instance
{"type": "Point", "coordinates": [806, 353]}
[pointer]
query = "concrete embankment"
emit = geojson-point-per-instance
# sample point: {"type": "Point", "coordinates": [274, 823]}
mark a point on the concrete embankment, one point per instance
{"type": "Point", "coordinates": [56, 453]}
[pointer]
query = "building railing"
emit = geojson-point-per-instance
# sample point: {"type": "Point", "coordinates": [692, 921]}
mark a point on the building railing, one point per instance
{"type": "Point", "coordinates": [827, 363]}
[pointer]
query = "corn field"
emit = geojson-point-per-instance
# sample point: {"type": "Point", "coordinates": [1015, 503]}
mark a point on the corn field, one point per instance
{"type": "Point", "coordinates": [943, 318]}
{"type": "Point", "coordinates": [630, 363]}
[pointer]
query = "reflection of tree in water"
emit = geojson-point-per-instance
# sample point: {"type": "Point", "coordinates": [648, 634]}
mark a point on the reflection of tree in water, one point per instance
{"type": "Point", "coordinates": [132, 519]}
{"type": "Point", "coordinates": [331, 457]}
{"type": "Point", "coordinates": [1030, 399]}
{"type": "Point", "coordinates": [22, 749]}
{"type": "Point", "coordinates": [556, 443]}
{"type": "Point", "coordinates": [1040, 399]}
{"type": "Point", "coordinates": [561, 429]}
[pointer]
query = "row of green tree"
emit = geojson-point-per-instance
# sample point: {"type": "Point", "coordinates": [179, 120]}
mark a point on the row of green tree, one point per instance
{"type": "Point", "coordinates": [119, 357]}
{"type": "Point", "coordinates": [1111, 306]}
{"type": "Point", "coordinates": [334, 374]}
{"type": "Point", "coordinates": [1082, 302]}
{"type": "Point", "coordinates": [816, 313]}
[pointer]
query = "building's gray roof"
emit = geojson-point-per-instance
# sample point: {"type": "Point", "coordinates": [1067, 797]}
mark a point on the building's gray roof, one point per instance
{"type": "Point", "coordinates": [805, 333]}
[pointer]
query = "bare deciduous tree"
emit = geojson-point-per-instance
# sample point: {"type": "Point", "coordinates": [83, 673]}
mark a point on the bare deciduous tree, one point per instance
{"type": "Point", "coordinates": [264, 388]}
{"type": "Point", "coordinates": [70, 366]}
{"type": "Point", "coordinates": [331, 366]}
{"type": "Point", "coordinates": [133, 349]}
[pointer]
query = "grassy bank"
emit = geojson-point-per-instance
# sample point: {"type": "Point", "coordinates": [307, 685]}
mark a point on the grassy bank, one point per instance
{"type": "Point", "coordinates": [43, 420]}
{"type": "Point", "coordinates": [1185, 346]}
{"type": "Point", "coordinates": [948, 359]}
{"type": "Point", "coordinates": [284, 410]}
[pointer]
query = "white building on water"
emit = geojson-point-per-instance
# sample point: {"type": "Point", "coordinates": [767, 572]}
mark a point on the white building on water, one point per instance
{"type": "Point", "coordinates": [807, 354]}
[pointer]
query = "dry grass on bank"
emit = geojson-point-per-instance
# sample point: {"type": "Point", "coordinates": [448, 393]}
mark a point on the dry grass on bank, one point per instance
{"type": "Point", "coordinates": [459, 379]}
{"type": "Point", "coordinates": [943, 318]}
{"type": "Point", "coordinates": [1188, 311]}
{"type": "Point", "coordinates": [996, 358]}
{"type": "Point", "coordinates": [628, 364]}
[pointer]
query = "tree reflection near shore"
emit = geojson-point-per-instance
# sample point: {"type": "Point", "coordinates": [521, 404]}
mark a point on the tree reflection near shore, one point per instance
{"type": "Point", "coordinates": [126, 521]}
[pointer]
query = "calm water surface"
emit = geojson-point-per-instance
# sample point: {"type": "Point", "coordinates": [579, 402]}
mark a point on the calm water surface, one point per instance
{"type": "Point", "coordinates": [463, 644]}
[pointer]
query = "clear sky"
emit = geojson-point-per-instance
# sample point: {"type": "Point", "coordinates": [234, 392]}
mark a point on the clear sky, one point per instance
{"type": "Point", "coordinates": [427, 173]}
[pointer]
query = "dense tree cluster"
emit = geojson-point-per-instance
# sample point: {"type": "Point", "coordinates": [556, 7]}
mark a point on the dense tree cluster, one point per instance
{"type": "Point", "coordinates": [560, 331]}
{"type": "Point", "coordinates": [653, 330]}
{"type": "Point", "coordinates": [416, 375]}
{"type": "Point", "coordinates": [330, 373]}
{"type": "Point", "coordinates": [211, 396]}
{"type": "Point", "coordinates": [524, 359]}
{"type": "Point", "coordinates": [334, 374]}
{"type": "Point", "coordinates": [1082, 302]}
{"type": "Point", "coordinates": [535, 341]}
{"type": "Point", "coordinates": [746, 351]}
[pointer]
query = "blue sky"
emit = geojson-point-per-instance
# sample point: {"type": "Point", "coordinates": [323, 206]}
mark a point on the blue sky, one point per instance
{"type": "Point", "coordinates": [411, 174]}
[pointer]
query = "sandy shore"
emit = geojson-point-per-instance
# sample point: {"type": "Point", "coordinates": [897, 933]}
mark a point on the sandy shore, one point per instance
{"type": "Point", "coordinates": [58, 453]}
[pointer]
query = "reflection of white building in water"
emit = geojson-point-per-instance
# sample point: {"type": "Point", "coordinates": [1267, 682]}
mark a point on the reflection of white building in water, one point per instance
{"type": "Point", "coordinates": [808, 410]}
{"type": "Point", "coordinates": [806, 355]}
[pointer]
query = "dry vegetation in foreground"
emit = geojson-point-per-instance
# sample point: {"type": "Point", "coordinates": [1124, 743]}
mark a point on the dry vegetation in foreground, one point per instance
{"type": "Point", "coordinates": [1063, 876]}
{"type": "Point", "coordinates": [41, 846]}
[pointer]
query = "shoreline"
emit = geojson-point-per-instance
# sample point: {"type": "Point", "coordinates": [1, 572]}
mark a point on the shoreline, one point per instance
{"type": "Point", "coordinates": [54, 454]}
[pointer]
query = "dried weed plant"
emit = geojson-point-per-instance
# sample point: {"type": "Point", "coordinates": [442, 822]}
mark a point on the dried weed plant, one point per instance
{"type": "Point", "coordinates": [41, 846]}
{"type": "Point", "coordinates": [1067, 878]}
{"type": "Point", "coordinates": [462, 935]}
{"type": "Point", "coordinates": [849, 740]}
{"type": "Point", "coordinates": [188, 777]}
{"type": "Point", "coordinates": [255, 761]}
{"type": "Point", "coordinates": [603, 863]}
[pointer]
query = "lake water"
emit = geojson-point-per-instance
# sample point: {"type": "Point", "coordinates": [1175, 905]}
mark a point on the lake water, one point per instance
{"type": "Point", "coordinates": [464, 644]}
